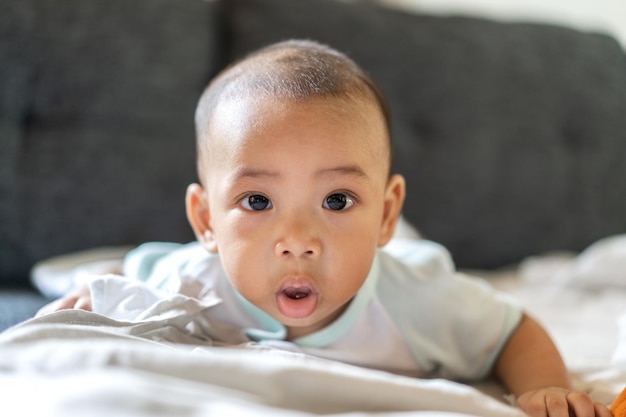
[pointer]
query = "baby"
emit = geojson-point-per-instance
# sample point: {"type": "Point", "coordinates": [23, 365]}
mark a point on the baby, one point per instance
{"type": "Point", "coordinates": [294, 204]}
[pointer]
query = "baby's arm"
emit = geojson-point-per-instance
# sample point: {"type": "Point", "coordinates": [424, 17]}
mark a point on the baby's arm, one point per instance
{"type": "Point", "coordinates": [77, 298]}
{"type": "Point", "coordinates": [532, 368]}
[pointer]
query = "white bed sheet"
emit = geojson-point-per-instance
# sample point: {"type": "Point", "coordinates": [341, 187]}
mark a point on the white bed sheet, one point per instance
{"type": "Point", "coordinates": [75, 363]}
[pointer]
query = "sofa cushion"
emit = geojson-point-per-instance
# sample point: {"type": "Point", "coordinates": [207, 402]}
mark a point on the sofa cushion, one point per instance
{"type": "Point", "coordinates": [96, 120]}
{"type": "Point", "coordinates": [511, 136]}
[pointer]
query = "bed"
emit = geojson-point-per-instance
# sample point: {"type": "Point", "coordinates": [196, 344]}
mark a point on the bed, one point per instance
{"type": "Point", "coordinates": [511, 135]}
{"type": "Point", "coordinates": [82, 363]}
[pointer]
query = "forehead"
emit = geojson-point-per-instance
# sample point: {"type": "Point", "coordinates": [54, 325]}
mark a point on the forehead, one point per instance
{"type": "Point", "coordinates": [353, 121]}
{"type": "Point", "coordinates": [294, 137]}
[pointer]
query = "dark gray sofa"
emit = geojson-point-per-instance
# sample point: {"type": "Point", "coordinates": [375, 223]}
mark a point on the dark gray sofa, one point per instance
{"type": "Point", "coordinates": [512, 136]}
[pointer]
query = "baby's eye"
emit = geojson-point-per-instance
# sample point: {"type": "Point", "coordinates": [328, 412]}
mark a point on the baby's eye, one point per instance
{"type": "Point", "coordinates": [338, 201]}
{"type": "Point", "coordinates": [256, 202]}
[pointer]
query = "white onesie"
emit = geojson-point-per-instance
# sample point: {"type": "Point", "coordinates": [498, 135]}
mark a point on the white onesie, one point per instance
{"type": "Point", "coordinates": [414, 315]}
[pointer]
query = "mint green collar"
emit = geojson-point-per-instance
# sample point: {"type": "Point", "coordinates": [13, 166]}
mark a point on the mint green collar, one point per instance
{"type": "Point", "coordinates": [271, 329]}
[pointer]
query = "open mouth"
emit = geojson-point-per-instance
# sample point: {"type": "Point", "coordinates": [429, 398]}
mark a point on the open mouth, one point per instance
{"type": "Point", "coordinates": [297, 293]}
{"type": "Point", "coordinates": [297, 300]}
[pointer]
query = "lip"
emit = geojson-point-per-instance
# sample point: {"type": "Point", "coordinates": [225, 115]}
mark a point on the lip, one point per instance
{"type": "Point", "coordinates": [297, 297]}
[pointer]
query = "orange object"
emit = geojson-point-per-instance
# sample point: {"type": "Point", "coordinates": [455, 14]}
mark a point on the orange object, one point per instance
{"type": "Point", "coordinates": [618, 408]}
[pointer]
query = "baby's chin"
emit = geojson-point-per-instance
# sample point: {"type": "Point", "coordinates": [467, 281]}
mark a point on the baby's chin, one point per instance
{"type": "Point", "coordinates": [297, 303]}
{"type": "Point", "coordinates": [313, 322]}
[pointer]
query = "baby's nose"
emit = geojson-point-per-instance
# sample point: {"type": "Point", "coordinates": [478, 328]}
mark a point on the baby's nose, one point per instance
{"type": "Point", "coordinates": [299, 239]}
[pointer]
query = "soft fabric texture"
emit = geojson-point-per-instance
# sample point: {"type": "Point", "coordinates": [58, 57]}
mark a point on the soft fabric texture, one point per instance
{"type": "Point", "coordinates": [96, 120]}
{"type": "Point", "coordinates": [82, 363]}
{"type": "Point", "coordinates": [511, 136]}
{"type": "Point", "coordinates": [88, 364]}
{"type": "Point", "coordinates": [56, 276]}
{"type": "Point", "coordinates": [413, 315]}
{"type": "Point", "coordinates": [601, 265]}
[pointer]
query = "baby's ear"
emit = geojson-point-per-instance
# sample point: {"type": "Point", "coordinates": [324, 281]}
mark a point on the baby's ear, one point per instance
{"type": "Point", "coordinates": [394, 198]}
{"type": "Point", "coordinates": [199, 216]}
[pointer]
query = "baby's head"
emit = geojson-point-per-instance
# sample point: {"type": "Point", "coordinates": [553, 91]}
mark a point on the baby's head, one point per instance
{"type": "Point", "coordinates": [294, 71]}
{"type": "Point", "coordinates": [293, 157]}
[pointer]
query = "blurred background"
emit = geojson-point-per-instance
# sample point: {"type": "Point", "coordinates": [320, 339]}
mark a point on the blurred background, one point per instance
{"type": "Point", "coordinates": [607, 16]}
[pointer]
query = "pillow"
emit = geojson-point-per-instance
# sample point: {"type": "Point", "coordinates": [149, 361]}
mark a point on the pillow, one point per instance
{"type": "Point", "coordinates": [511, 136]}
{"type": "Point", "coordinates": [96, 119]}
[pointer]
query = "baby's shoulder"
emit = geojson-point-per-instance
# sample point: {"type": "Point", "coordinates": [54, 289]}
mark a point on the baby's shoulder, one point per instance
{"type": "Point", "coordinates": [158, 262]}
{"type": "Point", "coordinates": [419, 257]}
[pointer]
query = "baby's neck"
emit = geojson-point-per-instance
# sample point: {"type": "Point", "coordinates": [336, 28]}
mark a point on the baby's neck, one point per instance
{"type": "Point", "coordinates": [295, 332]}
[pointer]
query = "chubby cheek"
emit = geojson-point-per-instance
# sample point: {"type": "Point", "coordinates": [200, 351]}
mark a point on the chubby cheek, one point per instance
{"type": "Point", "coordinates": [243, 272]}
{"type": "Point", "coordinates": [357, 234]}
{"type": "Point", "coordinates": [232, 230]}
{"type": "Point", "coordinates": [350, 257]}
{"type": "Point", "coordinates": [352, 268]}
{"type": "Point", "coordinates": [242, 253]}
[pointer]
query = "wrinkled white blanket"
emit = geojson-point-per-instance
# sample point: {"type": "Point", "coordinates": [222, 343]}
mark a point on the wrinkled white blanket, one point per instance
{"type": "Point", "coordinates": [75, 363]}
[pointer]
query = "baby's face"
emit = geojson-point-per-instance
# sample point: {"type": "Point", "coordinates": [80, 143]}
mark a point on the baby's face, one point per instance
{"type": "Point", "coordinates": [298, 201]}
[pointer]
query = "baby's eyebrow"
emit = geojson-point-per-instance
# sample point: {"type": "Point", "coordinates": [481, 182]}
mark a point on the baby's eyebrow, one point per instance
{"type": "Point", "coordinates": [351, 170]}
{"type": "Point", "coordinates": [254, 173]}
